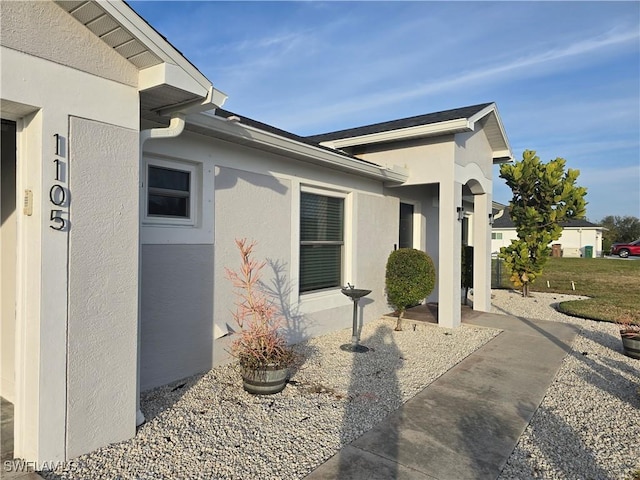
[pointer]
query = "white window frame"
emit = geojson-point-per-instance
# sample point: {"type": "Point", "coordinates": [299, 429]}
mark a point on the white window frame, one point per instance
{"type": "Point", "coordinates": [496, 235]}
{"type": "Point", "coordinates": [317, 300]}
{"type": "Point", "coordinates": [343, 197]}
{"type": "Point", "coordinates": [194, 193]}
{"type": "Point", "coordinates": [417, 222]}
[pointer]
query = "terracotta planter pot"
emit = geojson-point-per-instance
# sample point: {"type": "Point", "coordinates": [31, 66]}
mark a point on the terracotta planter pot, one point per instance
{"type": "Point", "coordinates": [631, 344]}
{"type": "Point", "coordinates": [264, 381]}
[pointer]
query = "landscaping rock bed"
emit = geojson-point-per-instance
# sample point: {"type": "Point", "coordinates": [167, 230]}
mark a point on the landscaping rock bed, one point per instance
{"type": "Point", "coordinates": [208, 427]}
{"type": "Point", "coordinates": [587, 425]}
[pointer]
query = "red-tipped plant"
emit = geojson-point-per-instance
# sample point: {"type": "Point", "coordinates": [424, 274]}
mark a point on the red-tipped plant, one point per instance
{"type": "Point", "coordinates": [260, 344]}
{"type": "Point", "coordinates": [628, 328]}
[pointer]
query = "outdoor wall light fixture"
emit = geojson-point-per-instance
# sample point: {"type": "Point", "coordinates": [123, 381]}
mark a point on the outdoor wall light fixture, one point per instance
{"type": "Point", "coordinates": [491, 219]}
{"type": "Point", "coordinates": [460, 211]}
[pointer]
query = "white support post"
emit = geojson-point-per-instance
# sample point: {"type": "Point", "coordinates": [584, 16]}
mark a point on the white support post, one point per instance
{"type": "Point", "coordinates": [482, 253]}
{"type": "Point", "coordinates": [449, 244]}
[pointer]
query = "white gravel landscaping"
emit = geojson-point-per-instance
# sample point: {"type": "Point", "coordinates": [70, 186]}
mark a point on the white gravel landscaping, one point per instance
{"type": "Point", "coordinates": [588, 425]}
{"type": "Point", "coordinates": [208, 427]}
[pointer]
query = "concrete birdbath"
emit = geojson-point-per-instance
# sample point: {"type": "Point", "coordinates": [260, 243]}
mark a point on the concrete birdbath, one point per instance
{"type": "Point", "coordinates": [355, 294]}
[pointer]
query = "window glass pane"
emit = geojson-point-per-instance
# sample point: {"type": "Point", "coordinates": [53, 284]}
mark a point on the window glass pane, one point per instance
{"type": "Point", "coordinates": [168, 178]}
{"type": "Point", "coordinates": [406, 226]}
{"type": "Point", "coordinates": [168, 206]}
{"type": "Point", "coordinates": [321, 218]}
{"type": "Point", "coordinates": [320, 266]}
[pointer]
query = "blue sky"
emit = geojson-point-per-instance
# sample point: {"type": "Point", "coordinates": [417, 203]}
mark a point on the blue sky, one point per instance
{"type": "Point", "coordinates": [565, 75]}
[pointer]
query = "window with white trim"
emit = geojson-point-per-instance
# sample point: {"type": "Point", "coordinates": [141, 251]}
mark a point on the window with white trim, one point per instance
{"type": "Point", "coordinates": [496, 235]}
{"type": "Point", "coordinates": [170, 192]}
{"type": "Point", "coordinates": [321, 241]}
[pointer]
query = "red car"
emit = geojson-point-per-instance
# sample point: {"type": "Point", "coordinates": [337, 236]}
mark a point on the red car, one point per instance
{"type": "Point", "coordinates": [623, 250]}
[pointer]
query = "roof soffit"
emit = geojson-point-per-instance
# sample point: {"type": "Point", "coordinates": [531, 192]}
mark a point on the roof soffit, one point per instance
{"type": "Point", "coordinates": [163, 69]}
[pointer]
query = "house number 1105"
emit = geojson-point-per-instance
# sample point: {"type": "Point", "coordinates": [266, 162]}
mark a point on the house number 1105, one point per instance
{"type": "Point", "coordinates": [57, 193]}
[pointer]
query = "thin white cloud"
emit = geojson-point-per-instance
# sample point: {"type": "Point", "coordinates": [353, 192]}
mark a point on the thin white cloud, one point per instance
{"type": "Point", "coordinates": [519, 66]}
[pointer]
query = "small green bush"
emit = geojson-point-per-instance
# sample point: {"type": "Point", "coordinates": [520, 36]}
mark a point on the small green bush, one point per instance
{"type": "Point", "coordinates": [410, 277]}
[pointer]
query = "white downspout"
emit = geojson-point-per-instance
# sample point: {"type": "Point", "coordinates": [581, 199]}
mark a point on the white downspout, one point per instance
{"type": "Point", "coordinates": [175, 128]}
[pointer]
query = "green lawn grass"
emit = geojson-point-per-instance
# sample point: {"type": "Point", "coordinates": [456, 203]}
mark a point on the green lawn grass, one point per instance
{"type": "Point", "coordinates": [612, 284]}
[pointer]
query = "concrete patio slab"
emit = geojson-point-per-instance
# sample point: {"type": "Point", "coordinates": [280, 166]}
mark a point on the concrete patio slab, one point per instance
{"type": "Point", "coordinates": [354, 464]}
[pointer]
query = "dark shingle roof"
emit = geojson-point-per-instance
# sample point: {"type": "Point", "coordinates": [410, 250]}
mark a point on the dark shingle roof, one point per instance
{"type": "Point", "coordinates": [221, 112]}
{"type": "Point", "coordinates": [505, 222]}
{"type": "Point", "coordinates": [437, 117]}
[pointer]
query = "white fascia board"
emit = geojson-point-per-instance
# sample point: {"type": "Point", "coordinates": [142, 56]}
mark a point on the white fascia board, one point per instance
{"type": "Point", "coordinates": [318, 156]}
{"type": "Point", "coordinates": [482, 113]}
{"type": "Point", "coordinates": [213, 99]}
{"type": "Point", "coordinates": [441, 128]}
{"type": "Point", "coordinates": [125, 16]}
{"type": "Point", "coordinates": [500, 156]}
{"type": "Point", "coordinates": [169, 74]}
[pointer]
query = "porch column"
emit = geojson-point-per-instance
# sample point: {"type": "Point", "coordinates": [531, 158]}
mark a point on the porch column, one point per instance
{"type": "Point", "coordinates": [482, 253]}
{"type": "Point", "coordinates": [449, 269]}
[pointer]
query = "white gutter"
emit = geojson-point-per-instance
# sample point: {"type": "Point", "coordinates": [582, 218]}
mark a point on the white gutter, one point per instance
{"type": "Point", "coordinates": [178, 113]}
{"type": "Point", "coordinates": [175, 128]}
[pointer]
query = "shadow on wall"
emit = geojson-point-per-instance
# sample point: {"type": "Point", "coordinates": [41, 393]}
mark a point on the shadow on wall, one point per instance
{"type": "Point", "coordinates": [227, 181]}
{"type": "Point", "coordinates": [279, 288]}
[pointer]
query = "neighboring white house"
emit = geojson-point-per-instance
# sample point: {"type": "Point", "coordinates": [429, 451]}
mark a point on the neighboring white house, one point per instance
{"type": "Point", "coordinates": [124, 186]}
{"type": "Point", "coordinates": [580, 238]}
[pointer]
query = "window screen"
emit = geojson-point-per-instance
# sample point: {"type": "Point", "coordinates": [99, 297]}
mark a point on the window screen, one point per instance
{"type": "Point", "coordinates": [321, 241]}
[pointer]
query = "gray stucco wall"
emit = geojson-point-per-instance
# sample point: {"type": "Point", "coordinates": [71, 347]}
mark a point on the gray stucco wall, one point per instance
{"type": "Point", "coordinates": [177, 312]}
{"type": "Point", "coordinates": [20, 19]}
{"type": "Point", "coordinates": [256, 207]}
{"type": "Point", "coordinates": [103, 285]}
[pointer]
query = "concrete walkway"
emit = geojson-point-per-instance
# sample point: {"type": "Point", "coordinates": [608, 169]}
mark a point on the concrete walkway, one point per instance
{"type": "Point", "coordinates": [465, 424]}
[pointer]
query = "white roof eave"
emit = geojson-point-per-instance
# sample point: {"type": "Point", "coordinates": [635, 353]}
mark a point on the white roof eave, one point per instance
{"type": "Point", "coordinates": [433, 129]}
{"type": "Point", "coordinates": [503, 155]}
{"type": "Point", "coordinates": [272, 142]}
{"type": "Point", "coordinates": [186, 76]}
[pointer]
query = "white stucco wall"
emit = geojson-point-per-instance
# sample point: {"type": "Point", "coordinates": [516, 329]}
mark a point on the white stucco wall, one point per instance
{"type": "Point", "coordinates": [451, 162]}
{"type": "Point", "coordinates": [428, 160]}
{"type": "Point", "coordinates": [473, 147]}
{"type": "Point", "coordinates": [103, 284]}
{"type": "Point", "coordinates": [573, 240]}
{"type": "Point", "coordinates": [43, 29]}
{"type": "Point", "coordinates": [256, 195]}
{"type": "Point", "coordinates": [47, 83]}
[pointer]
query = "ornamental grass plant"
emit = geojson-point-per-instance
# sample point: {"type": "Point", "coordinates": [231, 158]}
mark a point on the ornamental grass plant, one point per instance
{"type": "Point", "coordinates": [260, 343]}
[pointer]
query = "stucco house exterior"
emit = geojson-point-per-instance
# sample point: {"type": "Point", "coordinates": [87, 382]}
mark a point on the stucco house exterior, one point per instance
{"type": "Point", "coordinates": [579, 237]}
{"type": "Point", "coordinates": [125, 184]}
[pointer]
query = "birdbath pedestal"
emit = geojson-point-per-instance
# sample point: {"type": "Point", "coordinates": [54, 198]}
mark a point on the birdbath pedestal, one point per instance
{"type": "Point", "coordinates": [355, 294]}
